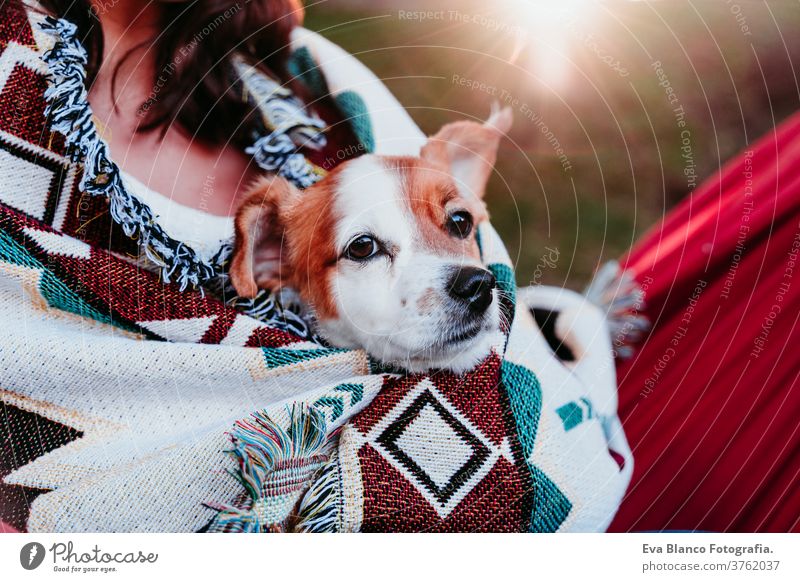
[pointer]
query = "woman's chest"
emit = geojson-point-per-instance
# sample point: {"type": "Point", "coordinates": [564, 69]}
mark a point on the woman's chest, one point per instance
{"type": "Point", "coordinates": [211, 179]}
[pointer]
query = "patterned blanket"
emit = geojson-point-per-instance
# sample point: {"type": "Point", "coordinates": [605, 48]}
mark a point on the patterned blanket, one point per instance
{"type": "Point", "coordinates": [190, 411]}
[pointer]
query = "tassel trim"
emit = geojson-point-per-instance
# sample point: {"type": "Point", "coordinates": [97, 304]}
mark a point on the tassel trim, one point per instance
{"type": "Point", "coordinates": [274, 466]}
{"type": "Point", "coordinates": [288, 125]}
{"type": "Point", "coordinates": [320, 508]}
{"type": "Point", "coordinates": [621, 298]}
{"type": "Point", "coordinates": [71, 115]}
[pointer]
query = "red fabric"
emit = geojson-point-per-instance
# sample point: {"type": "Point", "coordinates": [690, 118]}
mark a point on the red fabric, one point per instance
{"type": "Point", "coordinates": [711, 400]}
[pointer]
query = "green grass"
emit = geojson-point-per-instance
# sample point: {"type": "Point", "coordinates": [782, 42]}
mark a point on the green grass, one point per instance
{"type": "Point", "coordinates": [619, 133]}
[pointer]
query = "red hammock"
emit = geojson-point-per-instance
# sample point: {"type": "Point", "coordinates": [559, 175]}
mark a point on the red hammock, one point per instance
{"type": "Point", "coordinates": [711, 401]}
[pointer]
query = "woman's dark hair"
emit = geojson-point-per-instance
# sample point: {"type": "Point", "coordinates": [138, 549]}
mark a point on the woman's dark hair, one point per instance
{"type": "Point", "coordinates": [192, 58]}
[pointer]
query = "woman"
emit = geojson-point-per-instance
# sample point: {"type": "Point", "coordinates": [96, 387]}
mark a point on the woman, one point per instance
{"type": "Point", "coordinates": [320, 439]}
{"type": "Point", "coordinates": [155, 105]}
{"type": "Point", "coordinates": [164, 87]}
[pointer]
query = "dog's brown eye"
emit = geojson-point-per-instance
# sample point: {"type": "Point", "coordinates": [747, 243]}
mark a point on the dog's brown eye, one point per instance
{"type": "Point", "coordinates": [460, 224]}
{"type": "Point", "coordinates": [361, 248]}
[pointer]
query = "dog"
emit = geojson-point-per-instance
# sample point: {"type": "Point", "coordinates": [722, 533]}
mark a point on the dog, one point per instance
{"type": "Point", "coordinates": [383, 249]}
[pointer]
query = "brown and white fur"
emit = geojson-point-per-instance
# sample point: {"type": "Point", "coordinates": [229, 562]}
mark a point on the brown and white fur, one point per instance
{"type": "Point", "coordinates": [423, 300]}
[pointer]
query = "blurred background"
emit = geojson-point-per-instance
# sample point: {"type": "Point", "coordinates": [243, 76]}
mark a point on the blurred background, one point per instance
{"type": "Point", "coordinates": [621, 107]}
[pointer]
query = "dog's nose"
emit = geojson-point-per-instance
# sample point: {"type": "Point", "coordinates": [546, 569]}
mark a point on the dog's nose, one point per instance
{"type": "Point", "coordinates": [473, 286]}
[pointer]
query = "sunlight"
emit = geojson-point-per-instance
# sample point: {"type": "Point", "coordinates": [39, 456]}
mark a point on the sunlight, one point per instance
{"type": "Point", "coordinates": [548, 25]}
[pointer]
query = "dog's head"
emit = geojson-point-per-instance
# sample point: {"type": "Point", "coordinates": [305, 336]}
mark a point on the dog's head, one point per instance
{"type": "Point", "coordinates": [384, 250]}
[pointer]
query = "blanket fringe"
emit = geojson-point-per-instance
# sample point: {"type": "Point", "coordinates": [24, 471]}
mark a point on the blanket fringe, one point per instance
{"type": "Point", "coordinates": [71, 115]}
{"type": "Point", "coordinates": [289, 127]}
{"type": "Point", "coordinates": [621, 298]}
{"type": "Point", "coordinates": [274, 468]}
{"type": "Point", "coordinates": [319, 509]}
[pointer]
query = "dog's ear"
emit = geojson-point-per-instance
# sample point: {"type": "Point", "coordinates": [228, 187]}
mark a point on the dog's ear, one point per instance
{"type": "Point", "coordinates": [260, 227]}
{"type": "Point", "coordinates": [468, 150]}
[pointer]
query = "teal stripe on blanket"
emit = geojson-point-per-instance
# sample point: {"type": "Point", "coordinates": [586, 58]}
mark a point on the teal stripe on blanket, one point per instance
{"type": "Point", "coordinates": [505, 280]}
{"type": "Point", "coordinates": [278, 357]}
{"type": "Point", "coordinates": [354, 110]}
{"type": "Point", "coordinates": [550, 506]}
{"type": "Point", "coordinates": [54, 291]}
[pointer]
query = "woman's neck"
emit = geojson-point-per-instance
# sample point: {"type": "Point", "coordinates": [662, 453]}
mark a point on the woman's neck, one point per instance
{"type": "Point", "coordinates": [128, 63]}
{"type": "Point", "coordinates": [127, 18]}
{"type": "Point", "coordinates": [173, 163]}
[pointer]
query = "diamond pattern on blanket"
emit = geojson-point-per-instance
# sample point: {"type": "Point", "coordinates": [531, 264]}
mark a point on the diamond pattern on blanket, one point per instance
{"type": "Point", "coordinates": [438, 449]}
{"type": "Point", "coordinates": [454, 453]}
{"type": "Point", "coordinates": [240, 331]}
{"type": "Point", "coordinates": [180, 330]}
{"type": "Point", "coordinates": [406, 439]}
{"type": "Point", "coordinates": [21, 183]}
{"type": "Point", "coordinates": [58, 244]}
{"type": "Point", "coordinates": [31, 157]}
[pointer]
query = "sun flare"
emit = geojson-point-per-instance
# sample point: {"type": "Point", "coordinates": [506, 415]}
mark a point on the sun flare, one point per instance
{"type": "Point", "coordinates": [547, 27]}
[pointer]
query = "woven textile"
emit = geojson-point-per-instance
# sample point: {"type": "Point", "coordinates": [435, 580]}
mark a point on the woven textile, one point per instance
{"type": "Point", "coordinates": [181, 412]}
